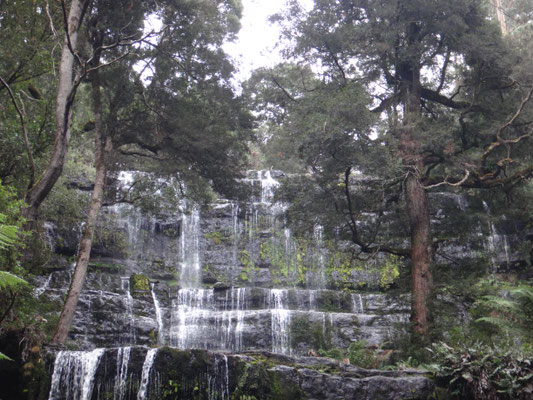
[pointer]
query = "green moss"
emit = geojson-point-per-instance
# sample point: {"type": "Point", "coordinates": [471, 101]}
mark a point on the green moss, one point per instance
{"type": "Point", "coordinates": [139, 285]}
{"type": "Point", "coordinates": [217, 237]}
{"type": "Point", "coordinates": [106, 267]}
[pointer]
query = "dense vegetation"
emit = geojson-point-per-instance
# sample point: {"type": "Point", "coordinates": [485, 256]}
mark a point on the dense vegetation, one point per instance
{"type": "Point", "coordinates": [377, 105]}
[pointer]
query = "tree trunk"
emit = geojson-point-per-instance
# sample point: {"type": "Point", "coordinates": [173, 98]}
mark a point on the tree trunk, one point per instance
{"type": "Point", "coordinates": [421, 278]}
{"type": "Point", "coordinates": [416, 196]}
{"type": "Point", "coordinates": [500, 15]}
{"type": "Point", "coordinates": [103, 147]}
{"type": "Point", "coordinates": [64, 99]}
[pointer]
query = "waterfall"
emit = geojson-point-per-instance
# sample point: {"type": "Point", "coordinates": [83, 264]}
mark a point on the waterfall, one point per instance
{"type": "Point", "coordinates": [123, 358]}
{"type": "Point", "coordinates": [281, 319]}
{"type": "Point", "coordinates": [128, 300]}
{"type": "Point", "coordinates": [232, 321]}
{"type": "Point", "coordinates": [496, 243]}
{"type": "Point", "coordinates": [190, 253]}
{"type": "Point", "coordinates": [158, 315]}
{"type": "Point", "coordinates": [73, 374]}
{"type": "Point", "coordinates": [145, 375]}
{"type": "Point", "coordinates": [218, 380]}
{"type": "Point", "coordinates": [41, 289]}
{"type": "Point", "coordinates": [357, 302]}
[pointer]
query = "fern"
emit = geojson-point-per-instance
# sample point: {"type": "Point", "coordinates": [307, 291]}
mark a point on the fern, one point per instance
{"type": "Point", "coordinates": [8, 235]}
{"type": "Point", "coordinates": [8, 280]}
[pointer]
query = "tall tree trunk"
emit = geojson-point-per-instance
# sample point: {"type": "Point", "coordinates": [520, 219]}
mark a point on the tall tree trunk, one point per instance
{"type": "Point", "coordinates": [64, 99]}
{"type": "Point", "coordinates": [103, 147]}
{"type": "Point", "coordinates": [416, 196]}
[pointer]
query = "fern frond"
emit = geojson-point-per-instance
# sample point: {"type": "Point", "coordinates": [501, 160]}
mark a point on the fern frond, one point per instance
{"type": "Point", "coordinates": [8, 235]}
{"type": "Point", "coordinates": [8, 280]}
{"type": "Point", "coordinates": [501, 304]}
{"type": "Point", "coordinates": [523, 293]}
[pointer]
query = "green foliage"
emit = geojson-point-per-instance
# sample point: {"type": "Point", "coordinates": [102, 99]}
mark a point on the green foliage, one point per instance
{"type": "Point", "coordinates": [10, 281]}
{"type": "Point", "coordinates": [476, 371]}
{"type": "Point", "coordinates": [359, 353]}
{"type": "Point", "coordinates": [506, 314]}
{"type": "Point", "coordinates": [389, 272]}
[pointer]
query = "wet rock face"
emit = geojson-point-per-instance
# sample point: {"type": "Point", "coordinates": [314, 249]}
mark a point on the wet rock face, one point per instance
{"type": "Point", "coordinates": [136, 372]}
{"type": "Point", "coordinates": [233, 277]}
{"type": "Point", "coordinates": [227, 277]}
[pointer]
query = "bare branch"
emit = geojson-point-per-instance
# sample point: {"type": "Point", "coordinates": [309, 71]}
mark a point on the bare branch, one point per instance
{"type": "Point", "coordinates": [108, 63]}
{"type": "Point", "coordinates": [52, 28]}
{"type": "Point", "coordinates": [446, 182]}
{"type": "Point", "coordinates": [499, 139]}
{"type": "Point", "coordinates": [285, 92]}
{"type": "Point", "coordinates": [24, 133]}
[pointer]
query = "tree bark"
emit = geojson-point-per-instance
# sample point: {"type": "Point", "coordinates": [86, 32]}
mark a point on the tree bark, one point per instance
{"type": "Point", "coordinates": [416, 196]}
{"type": "Point", "coordinates": [103, 147]}
{"type": "Point", "coordinates": [65, 95]}
{"type": "Point", "coordinates": [421, 277]}
{"type": "Point", "coordinates": [500, 15]}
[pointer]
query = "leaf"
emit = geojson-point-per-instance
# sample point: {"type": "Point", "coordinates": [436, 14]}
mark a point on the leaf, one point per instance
{"type": "Point", "coordinates": [4, 357]}
{"type": "Point", "coordinates": [8, 235]}
{"type": "Point", "coordinates": [8, 280]}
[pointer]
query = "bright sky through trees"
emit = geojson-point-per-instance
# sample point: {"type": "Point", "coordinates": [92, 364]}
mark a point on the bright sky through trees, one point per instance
{"type": "Point", "coordinates": [255, 46]}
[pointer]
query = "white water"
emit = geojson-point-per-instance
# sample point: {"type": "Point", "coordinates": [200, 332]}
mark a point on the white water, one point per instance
{"type": "Point", "coordinates": [496, 244]}
{"type": "Point", "coordinates": [74, 374]}
{"type": "Point", "coordinates": [357, 301]}
{"type": "Point", "coordinates": [158, 316]}
{"type": "Point", "coordinates": [145, 375]}
{"type": "Point", "coordinates": [281, 319]}
{"type": "Point", "coordinates": [190, 253]}
{"type": "Point", "coordinates": [218, 379]}
{"type": "Point", "coordinates": [123, 358]}
{"type": "Point", "coordinates": [41, 289]}
{"type": "Point", "coordinates": [128, 300]}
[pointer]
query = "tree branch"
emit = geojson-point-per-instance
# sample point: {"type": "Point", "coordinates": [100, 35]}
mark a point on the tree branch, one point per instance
{"type": "Point", "coordinates": [24, 133]}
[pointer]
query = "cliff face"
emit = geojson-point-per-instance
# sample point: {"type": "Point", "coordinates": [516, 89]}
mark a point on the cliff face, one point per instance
{"type": "Point", "coordinates": [232, 277]}
{"type": "Point", "coordinates": [167, 373]}
{"type": "Point", "coordinates": [227, 277]}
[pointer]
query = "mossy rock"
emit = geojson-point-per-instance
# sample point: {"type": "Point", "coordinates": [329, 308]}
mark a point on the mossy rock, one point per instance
{"type": "Point", "coordinates": [139, 285]}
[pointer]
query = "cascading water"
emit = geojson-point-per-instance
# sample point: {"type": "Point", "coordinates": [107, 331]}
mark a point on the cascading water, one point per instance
{"type": "Point", "coordinates": [128, 305]}
{"type": "Point", "coordinates": [281, 318]}
{"type": "Point", "coordinates": [158, 316]}
{"type": "Point", "coordinates": [145, 375]}
{"type": "Point", "coordinates": [73, 375]}
{"type": "Point", "coordinates": [497, 244]}
{"type": "Point", "coordinates": [190, 253]}
{"type": "Point", "coordinates": [236, 316]}
{"type": "Point", "coordinates": [123, 358]}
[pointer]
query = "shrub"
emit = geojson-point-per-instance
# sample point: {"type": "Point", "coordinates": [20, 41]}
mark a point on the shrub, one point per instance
{"type": "Point", "coordinates": [478, 371]}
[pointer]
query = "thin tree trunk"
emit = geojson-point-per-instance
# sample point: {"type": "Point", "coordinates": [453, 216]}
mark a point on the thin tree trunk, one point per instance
{"type": "Point", "coordinates": [103, 147]}
{"type": "Point", "coordinates": [64, 99]}
{"type": "Point", "coordinates": [500, 15]}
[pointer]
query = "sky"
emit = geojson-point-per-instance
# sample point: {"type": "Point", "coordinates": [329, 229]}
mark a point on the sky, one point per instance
{"type": "Point", "coordinates": [255, 46]}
